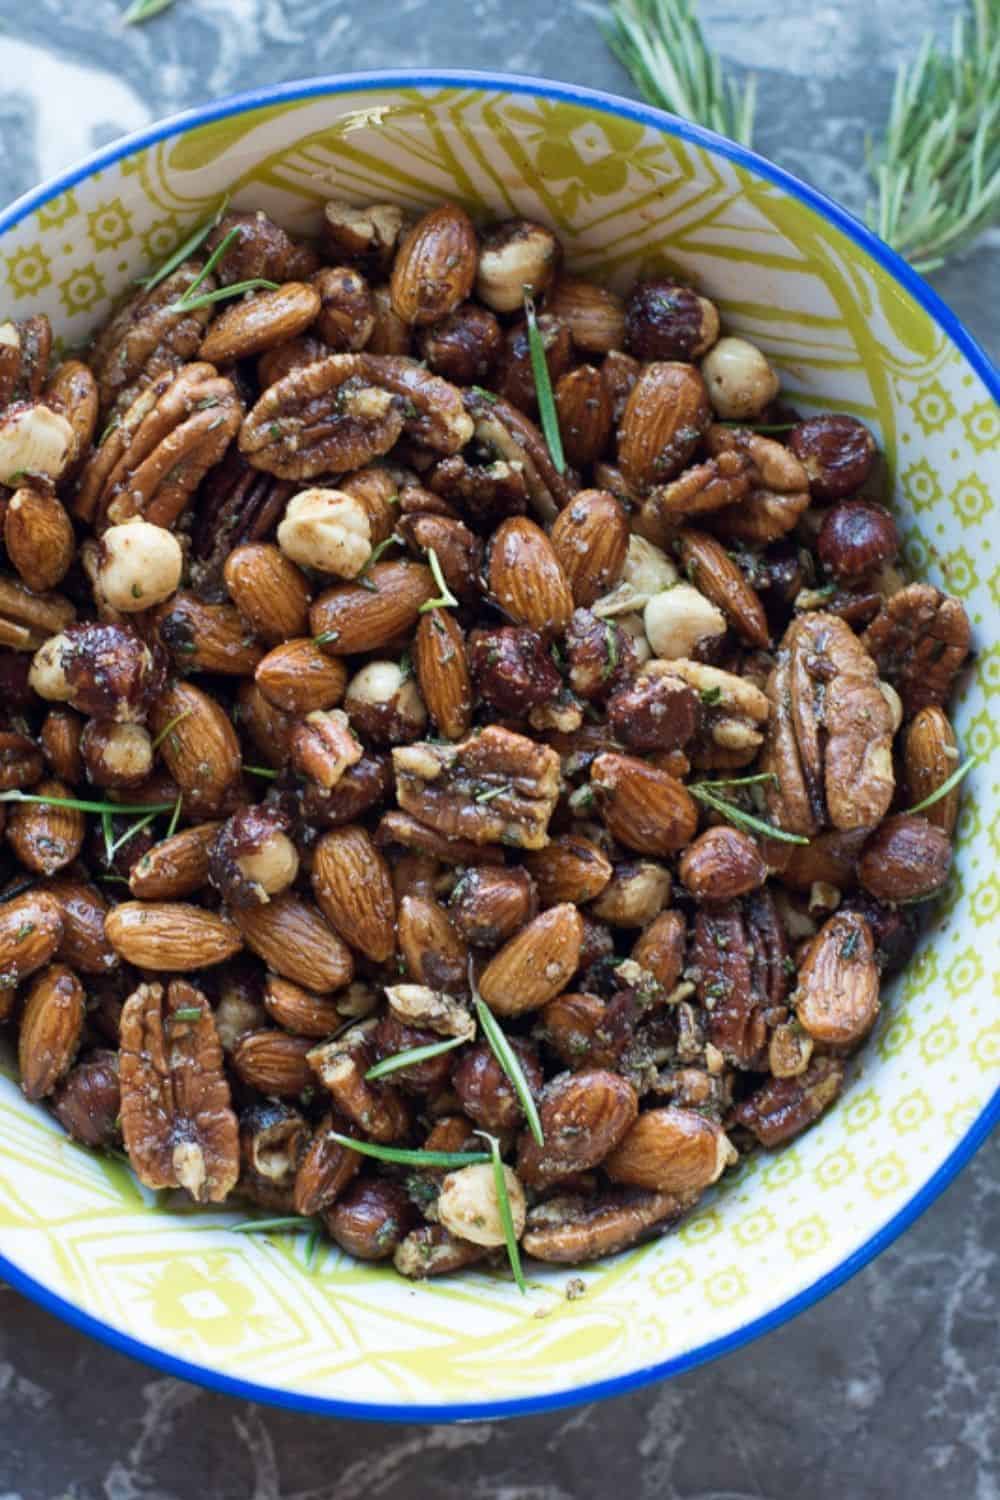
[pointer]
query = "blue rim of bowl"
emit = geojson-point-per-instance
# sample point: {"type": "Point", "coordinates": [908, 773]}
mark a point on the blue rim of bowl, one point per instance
{"type": "Point", "coordinates": [928, 299]}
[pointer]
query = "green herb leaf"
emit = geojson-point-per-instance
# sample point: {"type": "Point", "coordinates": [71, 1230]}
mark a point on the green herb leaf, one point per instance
{"type": "Point", "coordinates": [222, 293]}
{"type": "Point", "coordinates": [144, 10]}
{"type": "Point", "coordinates": [271, 1226]}
{"type": "Point", "coordinates": [264, 771]}
{"type": "Point", "coordinates": [186, 1013]}
{"type": "Point", "coordinates": [710, 696]}
{"type": "Point", "coordinates": [312, 1249]}
{"type": "Point", "coordinates": [405, 1158]}
{"type": "Point", "coordinates": [183, 252]}
{"type": "Point", "coordinates": [326, 637]}
{"type": "Point", "coordinates": [447, 599]}
{"type": "Point", "coordinates": [700, 790]}
{"type": "Point", "coordinates": [175, 816]}
{"type": "Point", "coordinates": [411, 1056]}
{"type": "Point", "coordinates": [946, 786]}
{"type": "Point", "coordinates": [171, 725]}
{"type": "Point", "coordinates": [509, 1061]}
{"type": "Point", "coordinates": [543, 387]}
{"type": "Point", "coordinates": [129, 833]}
{"type": "Point", "coordinates": [503, 1203]}
{"type": "Point", "coordinates": [85, 806]}
{"type": "Point", "coordinates": [373, 557]}
{"type": "Point", "coordinates": [491, 792]}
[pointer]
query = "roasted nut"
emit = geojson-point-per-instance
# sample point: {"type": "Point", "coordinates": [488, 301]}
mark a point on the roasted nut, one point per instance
{"type": "Point", "coordinates": [260, 322]}
{"type": "Point", "coordinates": [273, 1138]}
{"type": "Point", "coordinates": [739, 380]}
{"type": "Point", "coordinates": [38, 535]}
{"type": "Point", "coordinates": [526, 577]}
{"type": "Point", "coordinates": [276, 363]}
{"type": "Point", "coordinates": [667, 321]}
{"type": "Point", "coordinates": [268, 590]}
{"type": "Point", "coordinates": [326, 530]}
{"type": "Point", "coordinates": [292, 938]}
{"type": "Point", "coordinates": [591, 539]}
{"type": "Point", "coordinates": [721, 864]}
{"type": "Point", "coordinates": [102, 670]}
{"type": "Point", "coordinates": [435, 266]}
{"type": "Point", "coordinates": [375, 1108]}
{"type": "Point", "coordinates": [300, 1011]}
{"type": "Point", "coordinates": [251, 857]}
{"type": "Point", "coordinates": [25, 346]}
{"type": "Point", "coordinates": [236, 504]}
{"type": "Point", "coordinates": [403, 830]}
{"type": "Point", "coordinates": [139, 565]}
{"type": "Point", "coordinates": [364, 234]}
{"type": "Point", "coordinates": [197, 742]}
{"type": "Point", "coordinates": [269, 730]}
{"type": "Point", "coordinates": [789, 1051]}
{"type": "Point", "coordinates": [646, 810]}
{"type": "Point", "coordinates": [671, 1151]}
{"type": "Point", "coordinates": [326, 1168]}
{"type": "Point", "coordinates": [906, 859]}
{"type": "Point", "coordinates": [353, 888]}
{"type": "Point", "coordinates": [536, 964]}
{"type": "Point", "coordinates": [836, 998]}
{"type": "Point", "coordinates": [662, 423]}
{"type": "Point", "coordinates": [516, 255]}
{"type": "Point", "coordinates": [514, 378]}
{"type": "Point", "coordinates": [569, 1229]}
{"type": "Point", "coordinates": [176, 866]}
{"type": "Point", "coordinates": [660, 949]}
{"type": "Point", "coordinates": [352, 617]}
{"type": "Point", "coordinates": [169, 935]}
{"type": "Point", "coordinates": [919, 641]}
{"type": "Point", "coordinates": [324, 417]}
{"type": "Point", "coordinates": [464, 346]}
{"type": "Point", "coordinates": [680, 621]}
{"type": "Point", "coordinates": [711, 569]}
{"type": "Point", "coordinates": [60, 740]}
{"type": "Point", "coordinates": [430, 1250]}
{"type": "Point", "coordinates": [20, 761]}
{"type": "Point", "coordinates": [654, 713]}
{"type": "Point", "coordinates": [419, 1005]}
{"type": "Point", "coordinates": [391, 335]}
{"type": "Point", "coordinates": [783, 1107]}
{"type": "Point", "coordinates": [856, 537]}
{"type": "Point", "coordinates": [930, 756]}
{"type": "Point", "coordinates": [459, 551]}
{"type": "Point", "coordinates": [442, 667]}
{"type": "Point", "coordinates": [31, 929]}
{"type": "Point", "coordinates": [468, 1205]}
{"type": "Point", "coordinates": [488, 905]}
{"type": "Point", "coordinates": [837, 452]}
{"type": "Point", "coordinates": [50, 1029]}
{"type": "Point", "coordinates": [117, 755]}
{"type": "Point", "coordinates": [87, 1102]}
{"type": "Point", "coordinates": [204, 637]}
{"type": "Point", "coordinates": [347, 313]}
{"type": "Point", "coordinates": [512, 669]}
{"type": "Point", "coordinates": [486, 1093]}
{"type": "Point", "coordinates": [636, 893]}
{"type": "Point", "coordinates": [177, 1121]}
{"type": "Point", "coordinates": [258, 249]}
{"type": "Point", "coordinates": [44, 836]}
{"type": "Point", "coordinates": [739, 954]}
{"type": "Point", "coordinates": [323, 746]}
{"type": "Point", "coordinates": [434, 953]}
{"type": "Point", "coordinates": [584, 1116]}
{"type": "Point", "coordinates": [371, 1218]}
{"type": "Point", "coordinates": [517, 447]}
{"type": "Point", "coordinates": [734, 712]}
{"type": "Point", "coordinates": [599, 654]}
{"type": "Point", "coordinates": [83, 945]}
{"type": "Point", "coordinates": [299, 677]}
{"type": "Point", "coordinates": [568, 1024]}
{"type": "Point", "coordinates": [594, 315]}
{"type": "Point", "coordinates": [647, 571]}
{"type": "Point", "coordinates": [35, 443]}
{"type": "Point", "coordinates": [383, 703]}
{"type": "Point", "coordinates": [571, 868]}
{"type": "Point", "coordinates": [274, 1063]}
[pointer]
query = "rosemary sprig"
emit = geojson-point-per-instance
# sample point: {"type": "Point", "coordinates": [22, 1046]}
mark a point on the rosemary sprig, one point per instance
{"type": "Point", "coordinates": [129, 833]}
{"type": "Point", "coordinates": [937, 171]}
{"type": "Point", "coordinates": [186, 248]}
{"type": "Point", "coordinates": [270, 1226]}
{"type": "Point", "coordinates": [503, 1203]}
{"type": "Point", "coordinates": [406, 1158]}
{"type": "Point", "coordinates": [264, 771]}
{"type": "Point", "coordinates": [175, 816]}
{"type": "Point", "coordinates": [191, 299]}
{"type": "Point", "coordinates": [702, 792]}
{"type": "Point", "coordinates": [83, 805]}
{"type": "Point", "coordinates": [373, 557]}
{"type": "Point", "coordinates": [144, 10]}
{"type": "Point", "coordinates": [543, 386]}
{"type": "Point", "coordinates": [411, 1056]}
{"type": "Point", "coordinates": [312, 1248]}
{"type": "Point", "coordinates": [946, 786]}
{"type": "Point", "coordinates": [326, 637]}
{"type": "Point", "coordinates": [508, 1060]}
{"type": "Point", "coordinates": [663, 47]}
{"type": "Point", "coordinates": [172, 724]}
{"type": "Point", "coordinates": [447, 599]}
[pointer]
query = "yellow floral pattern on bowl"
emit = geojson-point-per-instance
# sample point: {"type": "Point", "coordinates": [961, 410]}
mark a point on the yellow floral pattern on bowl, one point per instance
{"type": "Point", "coordinates": [626, 197]}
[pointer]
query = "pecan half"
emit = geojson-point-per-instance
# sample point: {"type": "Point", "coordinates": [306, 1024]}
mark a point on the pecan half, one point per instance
{"type": "Point", "coordinates": [919, 641]}
{"type": "Point", "coordinates": [783, 1107]}
{"type": "Point", "coordinates": [494, 787]}
{"type": "Point", "coordinates": [146, 339]}
{"type": "Point", "coordinates": [503, 433]}
{"type": "Point", "coordinates": [177, 1119]}
{"type": "Point", "coordinates": [829, 742]}
{"type": "Point", "coordinates": [739, 953]}
{"type": "Point", "coordinates": [236, 504]}
{"type": "Point", "coordinates": [571, 1229]}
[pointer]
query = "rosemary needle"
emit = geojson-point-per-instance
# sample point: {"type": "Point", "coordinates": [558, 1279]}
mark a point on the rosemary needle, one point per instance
{"type": "Point", "coordinates": [543, 387]}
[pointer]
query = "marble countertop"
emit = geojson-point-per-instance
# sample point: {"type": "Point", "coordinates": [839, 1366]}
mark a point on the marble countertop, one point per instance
{"type": "Point", "coordinates": [886, 1389]}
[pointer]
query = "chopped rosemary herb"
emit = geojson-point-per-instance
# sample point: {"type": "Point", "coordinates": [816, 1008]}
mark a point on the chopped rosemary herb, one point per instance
{"type": "Point", "coordinates": [373, 557]}
{"type": "Point", "coordinates": [111, 808]}
{"type": "Point", "coordinates": [711, 696]}
{"type": "Point", "coordinates": [491, 792]}
{"type": "Point", "coordinates": [187, 1013]}
{"type": "Point", "coordinates": [411, 1056]}
{"type": "Point", "coordinates": [175, 816]}
{"type": "Point", "coordinates": [222, 293]}
{"type": "Point", "coordinates": [264, 771]}
{"type": "Point", "coordinates": [144, 10]}
{"type": "Point", "coordinates": [543, 386]}
{"type": "Point", "coordinates": [701, 791]}
{"type": "Point", "coordinates": [509, 1061]}
{"type": "Point", "coordinates": [447, 599]}
{"type": "Point", "coordinates": [326, 637]}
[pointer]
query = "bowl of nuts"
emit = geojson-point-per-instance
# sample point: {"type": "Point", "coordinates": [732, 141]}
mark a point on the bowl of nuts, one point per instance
{"type": "Point", "coordinates": [496, 631]}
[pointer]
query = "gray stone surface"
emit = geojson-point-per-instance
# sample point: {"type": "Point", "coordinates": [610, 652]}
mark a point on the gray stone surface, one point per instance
{"type": "Point", "coordinates": [886, 1389]}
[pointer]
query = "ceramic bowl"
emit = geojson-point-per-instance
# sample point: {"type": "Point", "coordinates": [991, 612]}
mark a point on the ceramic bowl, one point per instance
{"type": "Point", "coordinates": [850, 327]}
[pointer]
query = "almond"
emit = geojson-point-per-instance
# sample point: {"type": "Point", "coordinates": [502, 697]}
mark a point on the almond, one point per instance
{"type": "Point", "coordinates": [930, 756]}
{"type": "Point", "coordinates": [721, 864]}
{"type": "Point", "coordinates": [274, 1063]}
{"type": "Point", "coordinates": [50, 1029]}
{"type": "Point", "coordinates": [60, 740]}
{"type": "Point", "coordinates": [583, 1116]}
{"type": "Point", "coordinates": [300, 1011]}
{"type": "Point", "coordinates": [269, 728]}
{"type": "Point", "coordinates": [526, 577]}
{"type": "Point", "coordinates": [170, 935]}
{"type": "Point", "coordinates": [353, 887]}
{"type": "Point", "coordinates": [298, 677]}
{"type": "Point", "coordinates": [292, 938]}
{"type": "Point", "coordinates": [177, 866]}
{"type": "Point", "coordinates": [435, 266]}
{"type": "Point", "coordinates": [84, 945]}
{"type": "Point", "coordinates": [31, 929]}
{"type": "Point", "coordinates": [590, 538]}
{"type": "Point", "coordinates": [570, 868]}
{"type": "Point", "coordinates": [39, 538]}
{"type": "Point", "coordinates": [488, 905]}
{"type": "Point", "coordinates": [261, 322]}
{"type": "Point", "coordinates": [837, 996]}
{"type": "Point", "coordinates": [583, 406]}
{"type": "Point", "coordinates": [442, 668]}
{"type": "Point", "coordinates": [712, 571]}
{"type": "Point", "coordinates": [660, 948]}
{"type": "Point", "coordinates": [434, 953]}
{"type": "Point", "coordinates": [326, 1168]}
{"type": "Point", "coordinates": [906, 859]}
{"type": "Point", "coordinates": [199, 745]}
{"type": "Point", "coordinates": [662, 424]}
{"type": "Point", "coordinates": [207, 637]}
{"type": "Point", "coordinates": [536, 964]}
{"type": "Point", "coordinates": [670, 1151]}
{"type": "Point", "coordinates": [365, 616]}
{"type": "Point", "coordinates": [44, 837]}
{"type": "Point", "coordinates": [268, 590]}
{"type": "Point", "coordinates": [595, 316]}
{"type": "Point", "coordinates": [27, 620]}
{"type": "Point", "coordinates": [645, 809]}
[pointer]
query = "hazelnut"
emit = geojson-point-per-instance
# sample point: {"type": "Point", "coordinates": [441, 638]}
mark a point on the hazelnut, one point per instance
{"type": "Point", "coordinates": [252, 858]}
{"type": "Point", "coordinates": [384, 703]}
{"type": "Point", "coordinates": [515, 255]}
{"type": "Point", "coordinates": [327, 530]}
{"type": "Point", "coordinates": [721, 864]}
{"type": "Point", "coordinates": [47, 676]}
{"type": "Point", "coordinates": [678, 619]}
{"type": "Point", "coordinates": [116, 754]}
{"type": "Point", "coordinates": [739, 379]}
{"type": "Point", "coordinates": [468, 1205]}
{"type": "Point", "coordinates": [667, 321]}
{"type": "Point", "coordinates": [837, 452]}
{"type": "Point", "coordinates": [392, 1036]}
{"type": "Point", "coordinates": [599, 654]}
{"type": "Point", "coordinates": [139, 565]}
{"type": "Point", "coordinates": [33, 440]}
{"type": "Point", "coordinates": [906, 859]}
{"type": "Point", "coordinates": [637, 892]}
{"type": "Point", "coordinates": [484, 1090]}
{"type": "Point", "coordinates": [489, 904]}
{"type": "Point", "coordinates": [515, 378]}
{"type": "Point", "coordinates": [654, 713]}
{"type": "Point", "coordinates": [369, 234]}
{"type": "Point", "coordinates": [370, 1218]}
{"type": "Point", "coordinates": [856, 537]}
{"type": "Point", "coordinates": [102, 670]}
{"type": "Point", "coordinates": [512, 669]}
{"type": "Point", "coordinates": [464, 346]}
{"type": "Point", "coordinates": [347, 314]}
